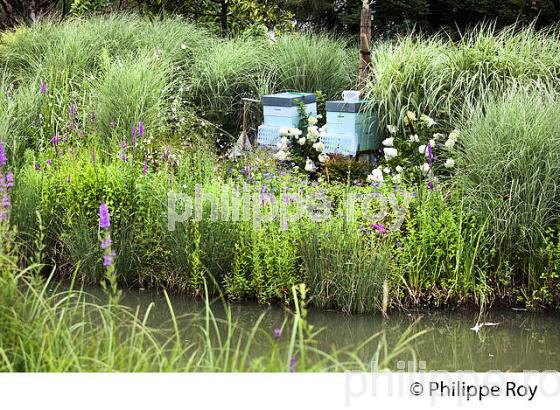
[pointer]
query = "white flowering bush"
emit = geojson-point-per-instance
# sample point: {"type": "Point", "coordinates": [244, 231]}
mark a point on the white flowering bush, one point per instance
{"type": "Point", "coordinates": [416, 150]}
{"type": "Point", "coordinates": [302, 146]}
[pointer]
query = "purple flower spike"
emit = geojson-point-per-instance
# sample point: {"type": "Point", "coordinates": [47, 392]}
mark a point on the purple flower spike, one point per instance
{"type": "Point", "coordinates": [92, 155]}
{"type": "Point", "coordinates": [3, 157]}
{"type": "Point", "coordinates": [140, 129]}
{"type": "Point", "coordinates": [37, 166]}
{"type": "Point", "coordinates": [379, 228]}
{"type": "Point", "coordinates": [277, 333]}
{"type": "Point", "coordinates": [68, 179]}
{"type": "Point", "coordinates": [54, 140]}
{"type": "Point", "coordinates": [293, 364]}
{"type": "Point", "coordinates": [109, 258]}
{"type": "Point", "coordinates": [104, 221]}
{"type": "Point", "coordinates": [73, 110]}
{"type": "Point", "coordinates": [105, 243]}
{"type": "Point", "coordinates": [43, 87]}
{"type": "Point", "coordinates": [430, 184]}
{"type": "Point", "coordinates": [10, 180]}
{"type": "Point", "coordinates": [145, 169]}
{"type": "Point", "coordinates": [430, 154]}
{"type": "Point", "coordinates": [49, 162]}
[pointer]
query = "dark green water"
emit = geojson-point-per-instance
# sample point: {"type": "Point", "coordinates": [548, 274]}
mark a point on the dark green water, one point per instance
{"type": "Point", "coordinates": [522, 341]}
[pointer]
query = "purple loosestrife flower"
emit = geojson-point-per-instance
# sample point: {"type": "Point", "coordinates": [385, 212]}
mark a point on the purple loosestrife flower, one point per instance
{"type": "Point", "coordinates": [145, 169]}
{"type": "Point", "coordinates": [133, 138]}
{"type": "Point", "coordinates": [5, 201]}
{"type": "Point", "coordinates": [73, 110]}
{"type": "Point", "coordinates": [109, 258]}
{"type": "Point", "coordinates": [54, 140]}
{"type": "Point", "coordinates": [134, 132]}
{"type": "Point", "coordinates": [140, 129]}
{"type": "Point", "coordinates": [379, 228]}
{"type": "Point", "coordinates": [105, 243]}
{"type": "Point", "coordinates": [37, 166]}
{"type": "Point", "coordinates": [10, 180]}
{"type": "Point", "coordinates": [430, 155]}
{"type": "Point", "coordinates": [104, 222]}
{"type": "Point", "coordinates": [68, 179]}
{"type": "Point", "coordinates": [277, 333]}
{"type": "Point", "coordinates": [292, 364]}
{"type": "Point", "coordinates": [3, 157]}
{"type": "Point", "coordinates": [43, 87]}
{"type": "Point", "coordinates": [93, 155]}
{"type": "Point", "coordinates": [430, 184]}
{"type": "Point", "coordinates": [49, 162]}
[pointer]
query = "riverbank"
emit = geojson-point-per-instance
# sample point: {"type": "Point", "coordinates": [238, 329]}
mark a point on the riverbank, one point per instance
{"type": "Point", "coordinates": [460, 207]}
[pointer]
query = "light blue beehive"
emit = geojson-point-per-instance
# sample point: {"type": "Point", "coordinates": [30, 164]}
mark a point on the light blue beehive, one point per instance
{"type": "Point", "coordinates": [349, 129]}
{"type": "Point", "coordinates": [280, 111]}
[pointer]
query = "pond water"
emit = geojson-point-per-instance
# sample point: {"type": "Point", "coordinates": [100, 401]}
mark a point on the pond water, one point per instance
{"type": "Point", "coordinates": [523, 340]}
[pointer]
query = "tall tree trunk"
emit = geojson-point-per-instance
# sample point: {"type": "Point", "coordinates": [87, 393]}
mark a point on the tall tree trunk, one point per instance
{"type": "Point", "coordinates": [365, 46]}
{"type": "Point", "coordinates": [224, 17]}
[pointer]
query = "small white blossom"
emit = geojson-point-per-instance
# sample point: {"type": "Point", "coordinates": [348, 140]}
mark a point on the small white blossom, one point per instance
{"type": "Point", "coordinates": [392, 129]}
{"type": "Point", "coordinates": [450, 163]}
{"type": "Point", "coordinates": [313, 132]}
{"type": "Point", "coordinates": [281, 155]}
{"type": "Point", "coordinates": [388, 142]}
{"type": "Point", "coordinates": [439, 135]}
{"type": "Point", "coordinates": [399, 169]}
{"type": "Point", "coordinates": [390, 153]}
{"type": "Point", "coordinates": [425, 167]}
{"type": "Point", "coordinates": [183, 46]}
{"type": "Point", "coordinates": [427, 120]}
{"type": "Point", "coordinates": [319, 146]}
{"type": "Point", "coordinates": [409, 117]}
{"type": "Point", "coordinates": [376, 175]}
{"type": "Point", "coordinates": [323, 158]}
{"type": "Point", "coordinates": [312, 120]}
{"type": "Point", "coordinates": [432, 143]}
{"type": "Point", "coordinates": [414, 138]}
{"type": "Point", "coordinates": [387, 170]}
{"type": "Point", "coordinates": [301, 141]}
{"type": "Point", "coordinates": [454, 135]}
{"type": "Point", "coordinates": [450, 143]}
{"type": "Point", "coordinates": [309, 166]}
{"type": "Point", "coordinates": [396, 179]}
{"type": "Point", "coordinates": [422, 149]}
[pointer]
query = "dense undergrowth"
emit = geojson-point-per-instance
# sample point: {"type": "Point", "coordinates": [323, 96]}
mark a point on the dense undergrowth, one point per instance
{"type": "Point", "coordinates": [124, 110]}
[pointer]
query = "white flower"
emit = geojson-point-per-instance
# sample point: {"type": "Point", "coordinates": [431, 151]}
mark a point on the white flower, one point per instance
{"type": "Point", "coordinates": [183, 46]}
{"type": "Point", "coordinates": [388, 142]}
{"type": "Point", "coordinates": [323, 129]}
{"type": "Point", "coordinates": [422, 149]}
{"type": "Point", "coordinates": [313, 132]}
{"type": "Point", "coordinates": [301, 141]}
{"type": "Point", "coordinates": [454, 135]}
{"type": "Point", "coordinates": [296, 132]}
{"type": "Point", "coordinates": [376, 175]}
{"type": "Point", "coordinates": [427, 120]}
{"type": "Point", "coordinates": [414, 138]}
{"type": "Point", "coordinates": [390, 153]}
{"type": "Point", "coordinates": [392, 129]}
{"type": "Point", "coordinates": [283, 144]}
{"type": "Point", "coordinates": [312, 120]}
{"type": "Point", "coordinates": [285, 131]}
{"type": "Point", "coordinates": [399, 169]}
{"type": "Point", "coordinates": [450, 163]}
{"type": "Point", "coordinates": [281, 155]}
{"type": "Point", "coordinates": [450, 143]}
{"type": "Point", "coordinates": [309, 166]}
{"type": "Point", "coordinates": [432, 143]}
{"type": "Point", "coordinates": [323, 158]}
{"type": "Point", "coordinates": [409, 117]}
{"type": "Point", "coordinates": [319, 146]}
{"type": "Point", "coordinates": [425, 167]}
{"type": "Point", "coordinates": [439, 135]}
{"type": "Point", "coordinates": [396, 179]}
{"type": "Point", "coordinates": [387, 170]}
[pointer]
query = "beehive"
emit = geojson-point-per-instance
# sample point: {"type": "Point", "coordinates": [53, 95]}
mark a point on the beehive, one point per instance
{"type": "Point", "coordinates": [349, 128]}
{"type": "Point", "coordinates": [282, 110]}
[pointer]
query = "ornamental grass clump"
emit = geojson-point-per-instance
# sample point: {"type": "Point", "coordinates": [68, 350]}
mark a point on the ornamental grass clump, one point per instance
{"type": "Point", "coordinates": [509, 168]}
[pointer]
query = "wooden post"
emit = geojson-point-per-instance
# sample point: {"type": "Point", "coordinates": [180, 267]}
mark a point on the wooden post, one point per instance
{"type": "Point", "coordinates": [245, 123]}
{"type": "Point", "coordinates": [365, 46]}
